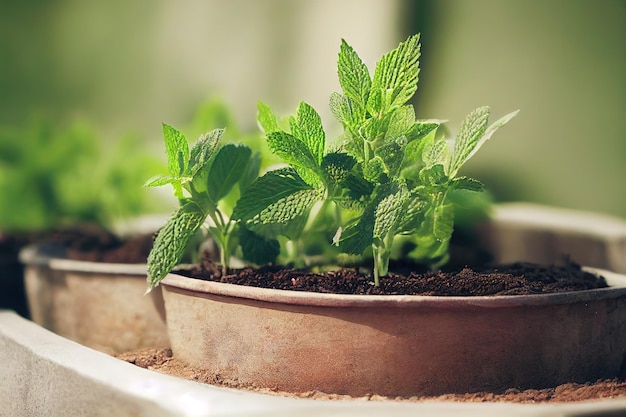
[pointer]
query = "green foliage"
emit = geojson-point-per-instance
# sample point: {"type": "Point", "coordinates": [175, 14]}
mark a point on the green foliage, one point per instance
{"type": "Point", "coordinates": [202, 178]}
{"type": "Point", "coordinates": [390, 175]}
{"type": "Point", "coordinates": [54, 176]}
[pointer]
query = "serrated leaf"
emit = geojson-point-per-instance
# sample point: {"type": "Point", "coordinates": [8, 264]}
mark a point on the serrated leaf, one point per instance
{"type": "Point", "coordinates": [388, 212]}
{"type": "Point", "coordinates": [421, 130]}
{"type": "Point", "coordinates": [436, 153]}
{"type": "Point", "coordinates": [395, 77]}
{"type": "Point", "coordinates": [358, 236]}
{"type": "Point", "coordinates": [258, 249]}
{"type": "Point", "coordinates": [307, 126]}
{"type": "Point", "coordinates": [402, 121]}
{"type": "Point", "coordinates": [226, 170]}
{"type": "Point", "coordinates": [414, 151]}
{"type": "Point", "coordinates": [278, 203]}
{"type": "Point", "coordinates": [434, 176]}
{"type": "Point", "coordinates": [345, 111]}
{"type": "Point", "coordinates": [159, 180]}
{"type": "Point", "coordinates": [392, 155]}
{"type": "Point", "coordinates": [203, 150]}
{"type": "Point", "coordinates": [266, 118]}
{"type": "Point", "coordinates": [490, 131]}
{"type": "Point", "coordinates": [177, 150]}
{"type": "Point", "coordinates": [413, 214]}
{"type": "Point", "coordinates": [296, 153]}
{"type": "Point", "coordinates": [468, 184]}
{"type": "Point", "coordinates": [171, 241]}
{"type": "Point", "coordinates": [353, 74]}
{"type": "Point", "coordinates": [443, 222]}
{"type": "Point", "coordinates": [337, 167]}
{"type": "Point", "coordinates": [471, 130]}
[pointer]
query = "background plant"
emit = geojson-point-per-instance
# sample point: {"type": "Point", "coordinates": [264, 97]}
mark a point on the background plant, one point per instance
{"type": "Point", "coordinates": [53, 176]}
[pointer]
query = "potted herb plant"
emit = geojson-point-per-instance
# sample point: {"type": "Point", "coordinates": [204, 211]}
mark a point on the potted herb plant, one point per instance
{"type": "Point", "coordinates": [345, 321]}
{"type": "Point", "coordinates": [81, 272]}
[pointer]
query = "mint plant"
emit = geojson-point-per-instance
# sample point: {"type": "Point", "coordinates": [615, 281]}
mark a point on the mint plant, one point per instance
{"type": "Point", "coordinates": [390, 174]}
{"type": "Point", "coordinates": [202, 177]}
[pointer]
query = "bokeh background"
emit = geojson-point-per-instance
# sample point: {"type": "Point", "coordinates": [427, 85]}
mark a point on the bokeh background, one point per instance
{"type": "Point", "coordinates": [126, 66]}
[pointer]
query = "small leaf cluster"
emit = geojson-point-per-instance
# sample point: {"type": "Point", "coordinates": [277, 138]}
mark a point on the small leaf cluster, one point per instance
{"type": "Point", "coordinates": [389, 174]}
{"type": "Point", "coordinates": [202, 177]}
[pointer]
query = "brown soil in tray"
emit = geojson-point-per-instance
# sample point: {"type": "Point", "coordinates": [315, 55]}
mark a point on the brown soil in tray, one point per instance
{"type": "Point", "coordinates": [161, 360]}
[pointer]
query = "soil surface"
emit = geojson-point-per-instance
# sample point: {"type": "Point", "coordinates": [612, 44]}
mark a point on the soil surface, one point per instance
{"type": "Point", "coordinates": [88, 242]}
{"type": "Point", "coordinates": [513, 279]}
{"type": "Point", "coordinates": [161, 360]}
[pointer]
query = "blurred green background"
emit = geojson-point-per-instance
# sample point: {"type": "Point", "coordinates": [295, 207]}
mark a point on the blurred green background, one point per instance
{"type": "Point", "coordinates": [125, 67]}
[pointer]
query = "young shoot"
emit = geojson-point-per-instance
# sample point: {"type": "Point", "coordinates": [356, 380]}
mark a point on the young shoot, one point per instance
{"type": "Point", "coordinates": [201, 178]}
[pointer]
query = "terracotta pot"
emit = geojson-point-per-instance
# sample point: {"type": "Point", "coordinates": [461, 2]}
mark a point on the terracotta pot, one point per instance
{"type": "Point", "coordinates": [400, 345]}
{"type": "Point", "coordinates": [100, 305]}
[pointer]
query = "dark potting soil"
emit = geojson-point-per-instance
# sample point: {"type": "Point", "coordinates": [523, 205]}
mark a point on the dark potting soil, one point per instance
{"type": "Point", "coordinates": [513, 279]}
{"type": "Point", "coordinates": [87, 242]}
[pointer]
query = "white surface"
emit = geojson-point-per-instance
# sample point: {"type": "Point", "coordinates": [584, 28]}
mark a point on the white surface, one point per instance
{"type": "Point", "coordinates": [43, 374]}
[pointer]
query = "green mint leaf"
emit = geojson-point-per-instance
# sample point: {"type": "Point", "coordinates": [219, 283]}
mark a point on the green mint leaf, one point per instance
{"type": "Point", "coordinates": [467, 184]}
{"type": "Point", "coordinates": [421, 130]}
{"type": "Point", "coordinates": [296, 153]}
{"type": "Point", "coordinates": [266, 118]}
{"type": "Point", "coordinates": [422, 136]}
{"type": "Point", "coordinates": [413, 215]}
{"type": "Point", "coordinates": [358, 236]}
{"type": "Point", "coordinates": [402, 122]}
{"type": "Point", "coordinates": [395, 77]}
{"type": "Point", "coordinates": [490, 131]}
{"type": "Point", "coordinates": [471, 130]}
{"type": "Point", "coordinates": [434, 176]}
{"type": "Point", "coordinates": [159, 180]}
{"type": "Point", "coordinates": [356, 193]}
{"type": "Point", "coordinates": [203, 150]}
{"type": "Point", "coordinates": [226, 170]}
{"type": "Point", "coordinates": [443, 222]}
{"type": "Point", "coordinates": [251, 172]}
{"type": "Point", "coordinates": [375, 171]}
{"type": "Point", "coordinates": [171, 241]}
{"type": "Point", "coordinates": [258, 249]}
{"type": "Point", "coordinates": [345, 111]}
{"type": "Point", "coordinates": [354, 76]}
{"type": "Point", "coordinates": [278, 203]}
{"type": "Point", "coordinates": [177, 150]}
{"type": "Point", "coordinates": [436, 153]}
{"type": "Point", "coordinates": [307, 126]}
{"type": "Point", "coordinates": [389, 210]}
{"type": "Point", "coordinates": [392, 155]}
{"type": "Point", "coordinates": [337, 167]}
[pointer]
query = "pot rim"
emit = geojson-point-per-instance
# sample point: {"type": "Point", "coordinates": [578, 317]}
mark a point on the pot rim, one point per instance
{"type": "Point", "coordinates": [37, 255]}
{"type": "Point", "coordinates": [616, 281]}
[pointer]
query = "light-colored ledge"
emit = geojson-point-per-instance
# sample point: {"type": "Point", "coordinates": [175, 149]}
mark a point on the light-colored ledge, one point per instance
{"type": "Point", "coordinates": [44, 374]}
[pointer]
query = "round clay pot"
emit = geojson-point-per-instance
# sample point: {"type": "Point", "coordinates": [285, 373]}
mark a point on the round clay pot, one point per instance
{"type": "Point", "coordinates": [412, 345]}
{"type": "Point", "coordinates": [100, 305]}
{"type": "Point", "coordinates": [396, 345]}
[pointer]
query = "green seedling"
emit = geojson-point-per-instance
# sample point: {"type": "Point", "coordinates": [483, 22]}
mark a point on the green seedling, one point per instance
{"type": "Point", "coordinates": [204, 179]}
